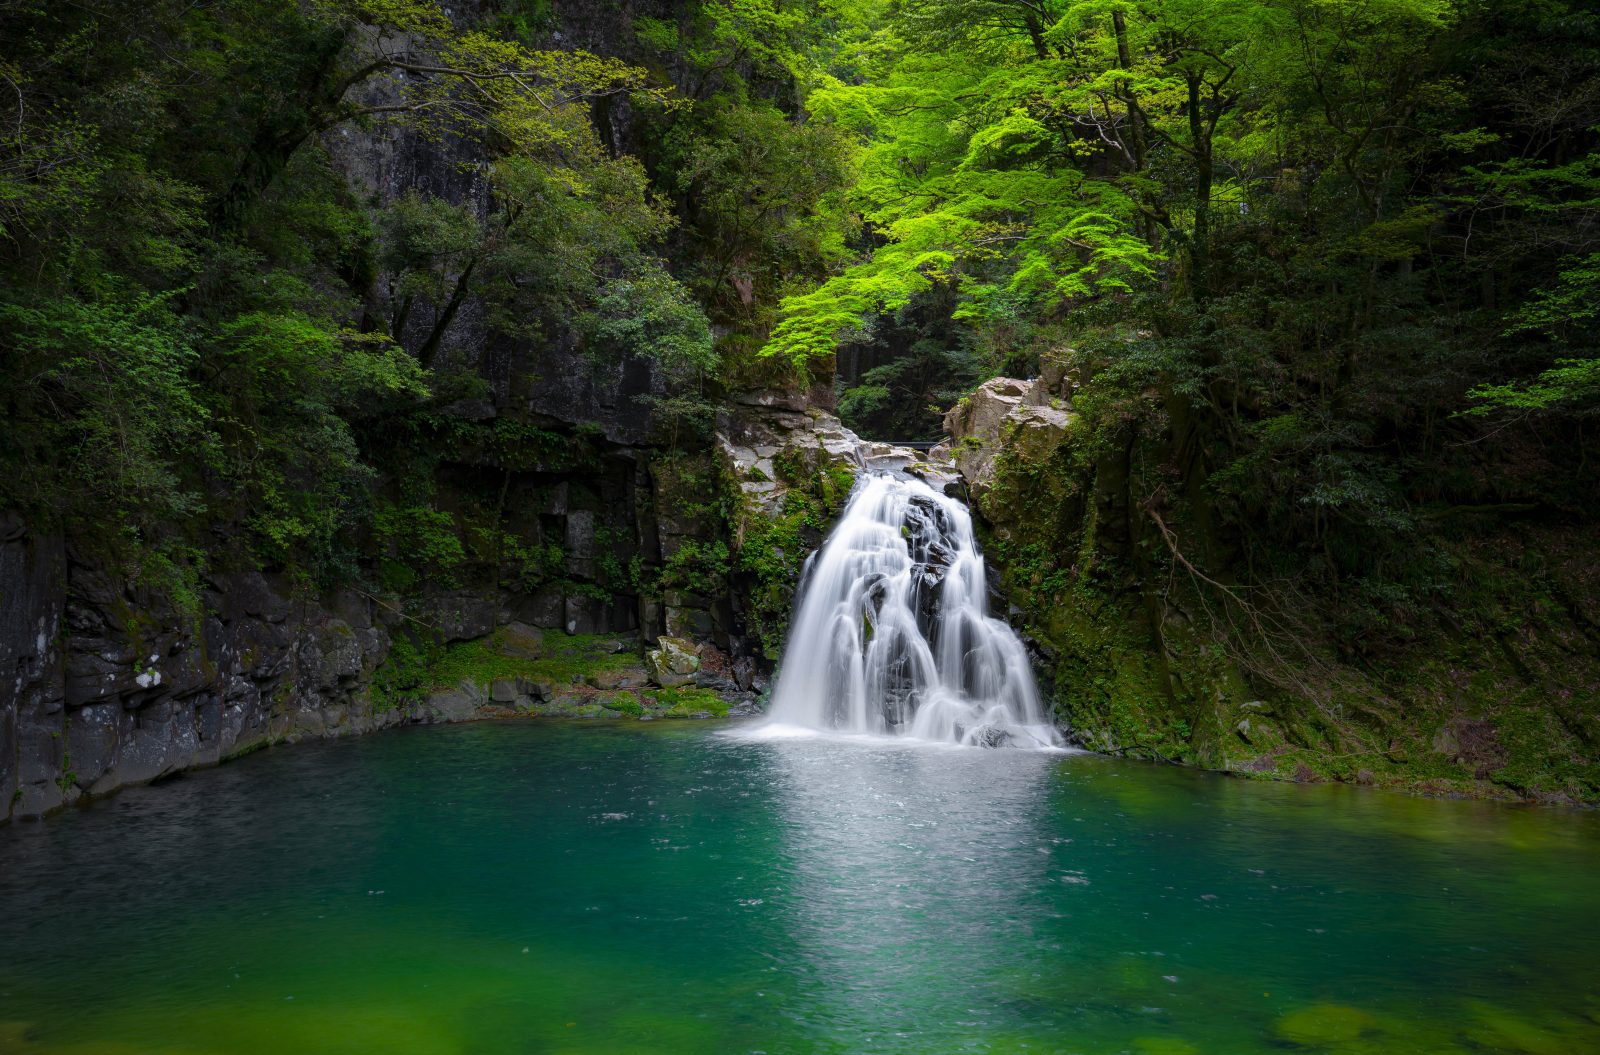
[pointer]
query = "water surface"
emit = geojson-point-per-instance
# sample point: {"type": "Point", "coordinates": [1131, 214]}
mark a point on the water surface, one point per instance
{"type": "Point", "coordinates": [624, 888]}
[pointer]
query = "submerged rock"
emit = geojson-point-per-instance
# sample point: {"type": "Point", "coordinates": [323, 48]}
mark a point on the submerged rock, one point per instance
{"type": "Point", "coordinates": [1322, 1025]}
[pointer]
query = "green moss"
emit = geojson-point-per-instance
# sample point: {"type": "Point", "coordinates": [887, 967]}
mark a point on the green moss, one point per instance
{"type": "Point", "coordinates": [401, 678]}
{"type": "Point", "coordinates": [687, 702]}
{"type": "Point", "coordinates": [566, 660]}
{"type": "Point", "coordinates": [771, 549]}
{"type": "Point", "coordinates": [624, 703]}
{"type": "Point", "coordinates": [697, 566]}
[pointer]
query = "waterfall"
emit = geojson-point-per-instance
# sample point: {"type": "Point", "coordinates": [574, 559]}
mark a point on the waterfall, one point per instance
{"type": "Point", "coordinates": [892, 635]}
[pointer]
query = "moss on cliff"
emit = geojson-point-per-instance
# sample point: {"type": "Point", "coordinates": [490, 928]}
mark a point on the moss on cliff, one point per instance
{"type": "Point", "coordinates": [1494, 696]}
{"type": "Point", "coordinates": [773, 538]}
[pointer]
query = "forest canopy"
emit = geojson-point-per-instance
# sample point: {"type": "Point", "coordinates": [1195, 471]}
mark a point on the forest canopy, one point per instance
{"type": "Point", "coordinates": [1323, 271]}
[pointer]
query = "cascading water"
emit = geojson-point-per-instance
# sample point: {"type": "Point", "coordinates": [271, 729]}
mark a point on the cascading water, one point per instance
{"type": "Point", "coordinates": [892, 635]}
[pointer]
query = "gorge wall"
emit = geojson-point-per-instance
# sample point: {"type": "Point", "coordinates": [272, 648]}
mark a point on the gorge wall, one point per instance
{"type": "Point", "coordinates": [113, 682]}
{"type": "Point", "coordinates": [521, 536]}
{"type": "Point", "coordinates": [1149, 657]}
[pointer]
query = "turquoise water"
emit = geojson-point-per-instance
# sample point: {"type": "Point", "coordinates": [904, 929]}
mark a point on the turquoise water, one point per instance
{"type": "Point", "coordinates": [636, 887]}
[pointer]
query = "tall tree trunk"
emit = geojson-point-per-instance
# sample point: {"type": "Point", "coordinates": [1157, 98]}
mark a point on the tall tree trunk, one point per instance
{"type": "Point", "coordinates": [1204, 175]}
{"type": "Point", "coordinates": [1147, 223]}
{"type": "Point", "coordinates": [1036, 34]}
{"type": "Point", "coordinates": [430, 347]}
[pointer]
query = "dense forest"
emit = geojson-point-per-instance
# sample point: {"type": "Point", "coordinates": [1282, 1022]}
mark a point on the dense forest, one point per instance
{"type": "Point", "coordinates": [1320, 279]}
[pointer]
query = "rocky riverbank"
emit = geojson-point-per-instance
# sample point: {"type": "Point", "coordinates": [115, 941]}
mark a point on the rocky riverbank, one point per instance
{"type": "Point", "coordinates": [118, 682]}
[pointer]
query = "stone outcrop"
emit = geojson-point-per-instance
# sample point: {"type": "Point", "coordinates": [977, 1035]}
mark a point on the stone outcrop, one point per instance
{"type": "Point", "coordinates": [109, 684]}
{"type": "Point", "coordinates": [1027, 419]}
{"type": "Point", "coordinates": [788, 473]}
{"type": "Point", "coordinates": [769, 450]}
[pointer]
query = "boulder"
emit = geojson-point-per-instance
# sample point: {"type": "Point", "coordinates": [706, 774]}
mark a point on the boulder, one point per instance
{"type": "Point", "coordinates": [522, 641]}
{"type": "Point", "coordinates": [538, 688]}
{"type": "Point", "coordinates": [455, 705]}
{"type": "Point", "coordinates": [608, 679]}
{"type": "Point", "coordinates": [673, 662]}
{"type": "Point", "coordinates": [1034, 432]}
{"type": "Point", "coordinates": [1003, 414]}
{"type": "Point", "coordinates": [980, 414]}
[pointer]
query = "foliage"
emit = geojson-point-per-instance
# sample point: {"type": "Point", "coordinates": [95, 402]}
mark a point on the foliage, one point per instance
{"type": "Point", "coordinates": [695, 566]}
{"type": "Point", "coordinates": [195, 327]}
{"type": "Point", "coordinates": [109, 384]}
{"type": "Point", "coordinates": [770, 547]}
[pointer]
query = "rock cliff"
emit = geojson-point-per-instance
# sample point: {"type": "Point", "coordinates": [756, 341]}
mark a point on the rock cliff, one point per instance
{"type": "Point", "coordinates": [1149, 658]}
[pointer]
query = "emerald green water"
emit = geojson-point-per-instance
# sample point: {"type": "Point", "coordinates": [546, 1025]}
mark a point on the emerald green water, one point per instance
{"type": "Point", "coordinates": [595, 888]}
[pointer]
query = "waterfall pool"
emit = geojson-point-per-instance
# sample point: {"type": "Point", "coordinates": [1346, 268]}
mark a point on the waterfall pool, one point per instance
{"type": "Point", "coordinates": [547, 886]}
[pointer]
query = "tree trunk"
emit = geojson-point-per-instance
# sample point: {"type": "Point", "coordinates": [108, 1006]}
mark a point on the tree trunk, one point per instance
{"type": "Point", "coordinates": [1204, 175]}
{"type": "Point", "coordinates": [1147, 224]}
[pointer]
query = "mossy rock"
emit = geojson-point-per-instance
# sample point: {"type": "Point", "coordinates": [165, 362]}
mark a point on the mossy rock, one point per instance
{"type": "Point", "coordinates": [624, 703]}
{"type": "Point", "coordinates": [1323, 1025]}
{"type": "Point", "coordinates": [691, 703]}
{"type": "Point", "coordinates": [562, 659]}
{"type": "Point", "coordinates": [1499, 1029]}
{"type": "Point", "coordinates": [1164, 1046]}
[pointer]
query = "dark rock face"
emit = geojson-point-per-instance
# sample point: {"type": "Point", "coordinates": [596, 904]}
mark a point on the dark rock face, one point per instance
{"type": "Point", "coordinates": [109, 686]}
{"type": "Point", "coordinates": [32, 704]}
{"type": "Point", "coordinates": [103, 685]}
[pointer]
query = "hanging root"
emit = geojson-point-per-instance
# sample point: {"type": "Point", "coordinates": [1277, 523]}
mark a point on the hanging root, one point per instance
{"type": "Point", "coordinates": [1268, 639]}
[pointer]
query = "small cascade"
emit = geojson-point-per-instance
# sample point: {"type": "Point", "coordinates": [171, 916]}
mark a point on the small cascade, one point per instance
{"type": "Point", "coordinates": [892, 634]}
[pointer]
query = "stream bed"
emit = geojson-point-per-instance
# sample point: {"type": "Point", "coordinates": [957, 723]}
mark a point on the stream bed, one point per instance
{"type": "Point", "coordinates": [565, 887]}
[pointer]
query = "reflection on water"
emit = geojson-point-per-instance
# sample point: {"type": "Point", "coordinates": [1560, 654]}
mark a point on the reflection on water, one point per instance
{"type": "Point", "coordinates": [542, 887]}
{"type": "Point", "coordinates": [911, 867]}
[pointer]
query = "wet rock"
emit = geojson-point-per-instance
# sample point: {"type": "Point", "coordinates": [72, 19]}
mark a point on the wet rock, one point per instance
{"type": "Point", "coordinates": [714, 682]}
{"type": "Point", "coordinates": [538, 688]}
{"type": "Point", "coordinates": [990, 736]}
{"type": "Point", "coordinates": [456, 705]}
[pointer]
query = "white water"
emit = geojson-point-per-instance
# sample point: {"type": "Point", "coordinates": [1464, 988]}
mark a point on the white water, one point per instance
{"type": "Point", "coordinates": [892, 634]}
